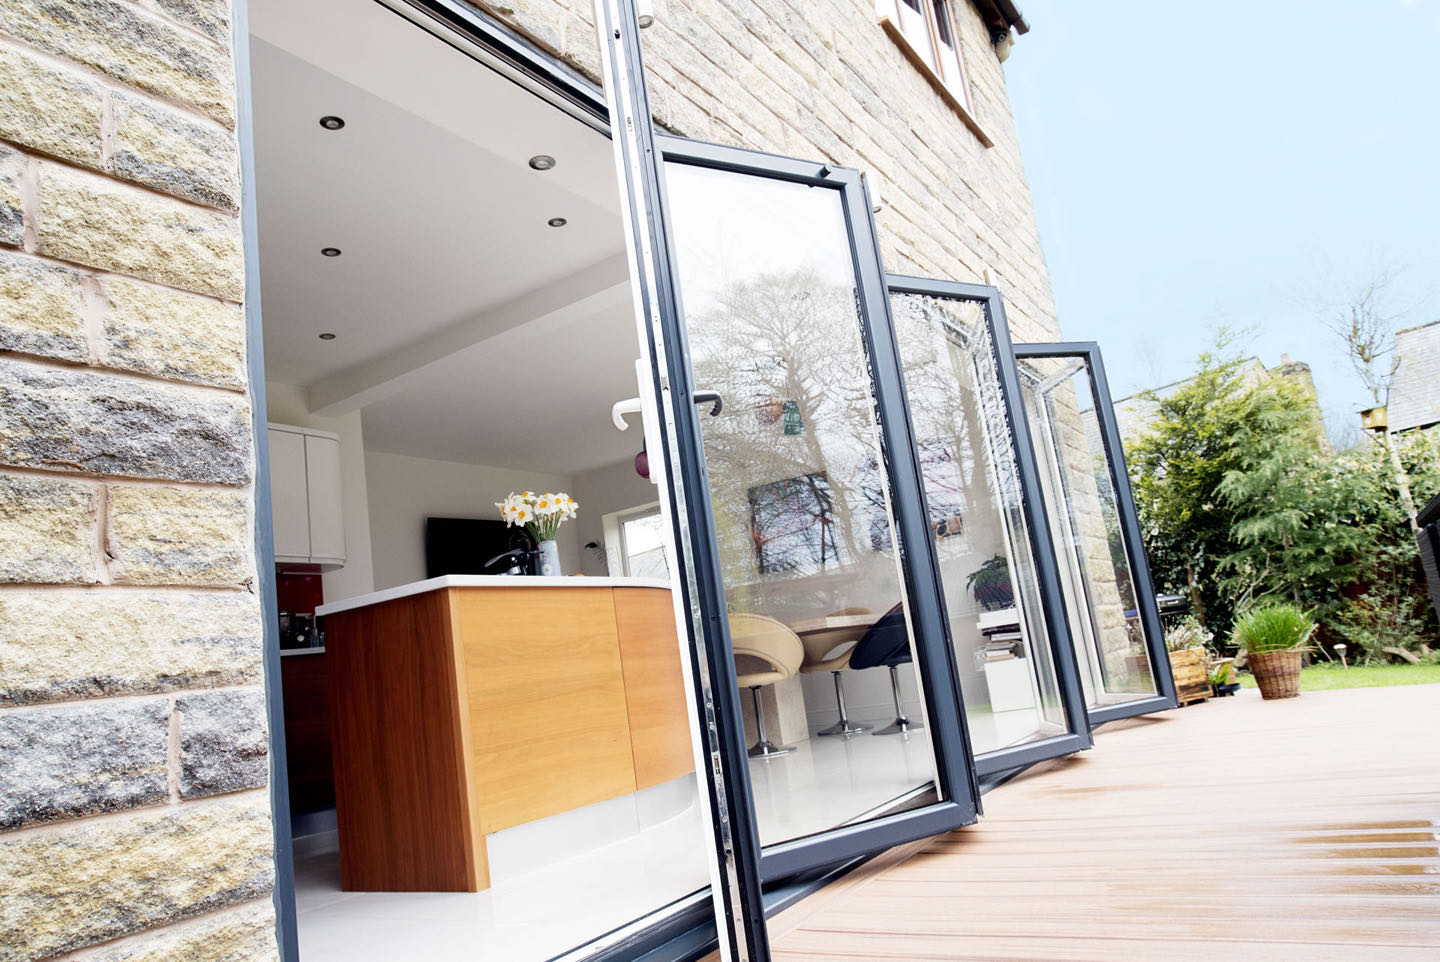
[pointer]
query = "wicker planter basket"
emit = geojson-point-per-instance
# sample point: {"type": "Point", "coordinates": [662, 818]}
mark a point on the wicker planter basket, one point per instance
{"type": "Point", "coordinates": [1192, 675]}
{"type": "Point", "coordinates": [1276, 672]}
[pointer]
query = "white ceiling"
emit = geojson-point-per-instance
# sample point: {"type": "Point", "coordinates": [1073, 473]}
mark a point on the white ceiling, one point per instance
{"type": "Point", "coordinates": [467, 329]}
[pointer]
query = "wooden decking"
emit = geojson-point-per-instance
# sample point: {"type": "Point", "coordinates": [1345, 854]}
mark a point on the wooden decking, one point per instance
{"type": "Point", "coordinates": [1235, 829]}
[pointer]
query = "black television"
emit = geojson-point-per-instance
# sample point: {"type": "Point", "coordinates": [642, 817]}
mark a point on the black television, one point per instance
{"type": "Point", "coordinates": [461, 546]}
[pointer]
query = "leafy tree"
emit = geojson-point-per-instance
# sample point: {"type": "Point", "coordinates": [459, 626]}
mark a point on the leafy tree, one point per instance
{"type": "Point", "coordinates": [1239, 499]}
{"type": "Point", "coordinates": [1177, 467]}
{"type": "Point", "coordinates": [1291, 531]}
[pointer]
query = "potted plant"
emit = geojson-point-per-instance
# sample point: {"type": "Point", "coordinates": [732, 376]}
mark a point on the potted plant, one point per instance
{"type": "Point", "coordinates": [1189, 660]}
{"type": "Point", "coordinates": [990, 583]}
{"type": "Point", "coordinates": [1222, 677]}
{"type": "Point", "coordinates": [1274, 637]}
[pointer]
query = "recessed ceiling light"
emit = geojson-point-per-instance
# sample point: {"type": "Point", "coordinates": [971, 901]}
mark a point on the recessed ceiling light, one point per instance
{"type": "Point", "coordinates": [330, 251]}
{"type": "Point", "coordinates": [331, 122]}
{"type": "Point", "coordinates": [327, 336]}
{"type": "Point", "coordinates": [542, 162]}
{"type": "Point", "coordinates": [557, 222]}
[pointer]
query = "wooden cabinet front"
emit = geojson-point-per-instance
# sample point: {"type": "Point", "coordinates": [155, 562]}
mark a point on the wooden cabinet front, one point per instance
{"type": "Point", "coordinates": [463, 711]}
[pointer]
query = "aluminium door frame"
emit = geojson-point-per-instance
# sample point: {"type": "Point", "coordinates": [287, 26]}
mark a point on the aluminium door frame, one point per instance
{"type": "Point", "coordinates": [959, 787]}
{"type": "Point", "coordinates": [1165, 697]}
{"type": "Point", "coordinates": [1052, 599]}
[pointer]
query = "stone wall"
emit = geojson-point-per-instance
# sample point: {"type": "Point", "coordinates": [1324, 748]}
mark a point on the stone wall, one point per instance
{"type": "Point", "coordinates": [820, 79]}
{"type": "Point", "coordinates": [134, 816]}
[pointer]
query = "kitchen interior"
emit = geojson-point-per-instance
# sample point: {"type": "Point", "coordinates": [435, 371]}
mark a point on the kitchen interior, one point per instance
{"type": "Point", "coordinates": [502, 761]}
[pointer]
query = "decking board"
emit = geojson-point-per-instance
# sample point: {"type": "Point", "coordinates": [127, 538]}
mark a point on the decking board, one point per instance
{"type": "Point", "coordinates": [1299, 829]}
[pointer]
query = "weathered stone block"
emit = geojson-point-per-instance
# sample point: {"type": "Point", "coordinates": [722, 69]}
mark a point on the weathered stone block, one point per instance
{"type": "Point", "coordinates": [40, 309]}
{"type": "Point", "coordinates": [223, 742]}
{"type": "Point", "coordinates": [46, 530]}
{"type": "Point", "coordinates": [52, 110]}
{"type": "Point", "coordinates": [169, 334]}
{"type": "Point", "coordinates": [58, 645]}
{"type": "Point", "coordinates": [163, 148]}
{"type": "Point", "coordinates": [130, 45]}
{"type": "Point", "coordinates": [74, 885]}
{"type": "Point", "coordinates": [73, 760]}
{"type": "Point", "coordinates": [100, 423]}
{"type": "Point", "coordinates": [244, 934]}
{"type": "Point", "coordinates": [210, 17]}
{"type": "Point", "coordinates": [178, 536]}
{"type": "Point", "coordinates": [12, 207]}
{"type": "Point", "coordinates": [94, 221]}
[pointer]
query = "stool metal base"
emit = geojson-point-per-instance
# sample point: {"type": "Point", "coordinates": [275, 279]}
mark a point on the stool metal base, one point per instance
{"type": "Point", "coordinates": [844, 727]}
{"type": "Point", "coordinates": [901, 725]}
{"type": "Point", "coordinates": [764, 747]}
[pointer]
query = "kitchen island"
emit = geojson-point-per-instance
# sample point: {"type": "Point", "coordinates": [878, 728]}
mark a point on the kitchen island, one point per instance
{"type": "Point", "coordinates": [464, 705]}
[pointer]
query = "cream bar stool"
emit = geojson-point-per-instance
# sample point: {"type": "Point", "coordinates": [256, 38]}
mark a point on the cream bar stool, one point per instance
{"type": "Point", "coordinates": [777, 649]}
{"type": "Point", "coordinates": [822, 642]}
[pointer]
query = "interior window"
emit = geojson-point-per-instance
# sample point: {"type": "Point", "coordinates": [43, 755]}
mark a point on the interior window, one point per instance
{"type": "Point", "coordinates": [642, 543]}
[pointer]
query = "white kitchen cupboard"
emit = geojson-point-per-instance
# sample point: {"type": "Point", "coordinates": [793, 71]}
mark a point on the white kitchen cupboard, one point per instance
{"type": "Point", "coordinates": [305, 499]}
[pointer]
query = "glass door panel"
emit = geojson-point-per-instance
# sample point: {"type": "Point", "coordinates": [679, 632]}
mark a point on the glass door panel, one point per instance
{"type": "Point", "coordinates": [803, 514]}
{"type": "Point", "coordinates": [1008, 674]}
{"type": "Point", "coordinates": [1103, 572]}
{"type": "Point", "coordinates": [1013, 656]}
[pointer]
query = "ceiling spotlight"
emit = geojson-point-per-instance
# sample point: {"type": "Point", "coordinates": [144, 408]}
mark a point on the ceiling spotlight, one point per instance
{"type": "Point", "coordinates": [330, 251]}
{"type": "Point", "coordinates": [327, 336]}
{"type": "Point", "coordinates": [331, 122]}
{"type": "Point", "coordinates": [542, 162]}
{"type": "Point", "coordinates": [557, 222]}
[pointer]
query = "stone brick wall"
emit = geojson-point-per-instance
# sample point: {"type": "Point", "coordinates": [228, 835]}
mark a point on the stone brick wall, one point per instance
{"type": "Point", "coordinates": [820, 79]}
{"type": "Point", "coordinates": [134, 815]}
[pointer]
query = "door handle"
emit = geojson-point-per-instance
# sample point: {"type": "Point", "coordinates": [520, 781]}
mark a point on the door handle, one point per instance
{"type": "Point", "coordinates": [631, 405]}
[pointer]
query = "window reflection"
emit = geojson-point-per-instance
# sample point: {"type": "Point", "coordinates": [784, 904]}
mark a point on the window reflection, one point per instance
{"type": "Point", "coordinates": [972, 486]}
{"type": "Point", "coordinates": [1094, 567]}
{"type": "Point", "coordinates": [801, 501]}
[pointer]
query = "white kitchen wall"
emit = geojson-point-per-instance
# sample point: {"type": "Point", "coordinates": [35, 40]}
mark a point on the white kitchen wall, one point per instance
{"type": "Point", "coordinates": [285, 404]}
{"type": "Point", "coordinates": [614, 487]}
{"type": "Point", "coordinates": [404, 491]}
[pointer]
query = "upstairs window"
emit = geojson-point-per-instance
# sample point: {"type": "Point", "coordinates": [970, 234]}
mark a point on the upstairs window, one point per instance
{"type": "Point", "coordinates": [925, 30]}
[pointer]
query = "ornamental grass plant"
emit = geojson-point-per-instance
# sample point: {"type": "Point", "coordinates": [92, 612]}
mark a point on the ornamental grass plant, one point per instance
{"type": "Point", "coordinates": [1273, 627]}
{"type": "Point", "coordinates": [1274, 637]}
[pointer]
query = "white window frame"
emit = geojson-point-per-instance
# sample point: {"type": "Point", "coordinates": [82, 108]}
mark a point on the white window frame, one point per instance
{"type": "Point", "coordinates": [917, 33]}
{"type": "Point", "coordinates": [616, 557]}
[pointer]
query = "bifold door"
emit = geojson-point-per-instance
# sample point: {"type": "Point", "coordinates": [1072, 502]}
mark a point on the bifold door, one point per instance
{"type": "Point", "coordinates": [1109, 596]}
{"type": "Point", "coordinates": [808, 527]}
{"type": "Point", "coordinates": [995, 563]}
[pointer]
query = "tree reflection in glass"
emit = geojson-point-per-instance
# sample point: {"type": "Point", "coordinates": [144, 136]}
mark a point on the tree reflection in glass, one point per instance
{"type": "Point", "coordinates": [802, 510]}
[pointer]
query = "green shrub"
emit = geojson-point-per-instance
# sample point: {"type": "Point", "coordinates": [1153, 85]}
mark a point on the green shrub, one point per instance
{"type": "Point", "coordinates": [1272, 628]}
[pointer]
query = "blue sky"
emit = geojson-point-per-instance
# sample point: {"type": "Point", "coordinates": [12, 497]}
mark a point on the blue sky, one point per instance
{"type": "Point", "coordinates": [1231, 163]}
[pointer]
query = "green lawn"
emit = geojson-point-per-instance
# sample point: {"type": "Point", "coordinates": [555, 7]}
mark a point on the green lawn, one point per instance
{"type": "Point", "coordinates": [1326, 676]}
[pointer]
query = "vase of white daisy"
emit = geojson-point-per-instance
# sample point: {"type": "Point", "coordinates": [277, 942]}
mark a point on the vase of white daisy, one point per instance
{"type": "Point", "coordinates": [541, 515]}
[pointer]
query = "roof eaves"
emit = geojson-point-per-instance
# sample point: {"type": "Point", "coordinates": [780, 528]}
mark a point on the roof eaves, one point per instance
{"type": "Point", "coordinates": [1001, 15]}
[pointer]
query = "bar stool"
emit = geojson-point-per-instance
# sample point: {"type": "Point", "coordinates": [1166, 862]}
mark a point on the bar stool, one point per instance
{"type": "Point", "coordinates": [778, 649]}
{"type": "Point", "coordinates": [818, 644]}
{"type": "Point", "coordinates": [887, 643]}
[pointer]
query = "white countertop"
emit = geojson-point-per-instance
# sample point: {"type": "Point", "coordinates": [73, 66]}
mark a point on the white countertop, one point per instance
{"type": "Point", "coordinates": [485, 581]}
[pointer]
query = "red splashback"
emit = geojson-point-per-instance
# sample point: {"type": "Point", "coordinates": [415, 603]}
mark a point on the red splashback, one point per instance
{"type": "Point", "coordinates": [298, 589]}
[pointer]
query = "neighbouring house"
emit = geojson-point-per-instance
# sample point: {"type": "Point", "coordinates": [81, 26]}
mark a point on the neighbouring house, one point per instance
{"type": "Point", "coordinates": [295, 294]}
{"type": "Point", "coordinates": [1414, 400]}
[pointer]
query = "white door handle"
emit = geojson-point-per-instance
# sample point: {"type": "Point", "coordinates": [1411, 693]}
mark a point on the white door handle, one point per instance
{"type": "Point", "coordinates": [619, 409]}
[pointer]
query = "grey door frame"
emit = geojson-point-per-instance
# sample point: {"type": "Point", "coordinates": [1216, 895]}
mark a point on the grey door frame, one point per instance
{"type": "Point", "coordinates": [1165, 698]}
